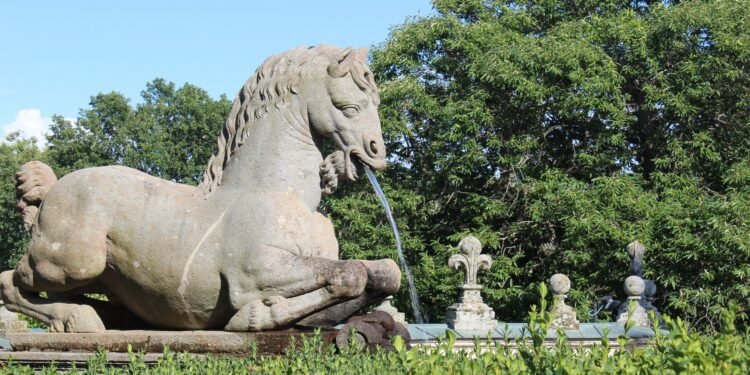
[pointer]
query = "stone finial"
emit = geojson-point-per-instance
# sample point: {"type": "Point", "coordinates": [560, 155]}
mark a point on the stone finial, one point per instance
{"type": "Point", "coordinates": [470, 258]}
{"type": "Point", "coordinates": [636, 250]}
{"type": "Point", "coordinates": [9, 321]}
{"type": "Point", "coordinates": [634, 287]}
{"type": "Point", "coordinates": [470, 313]}
{"type": "Point", "coordinates": [564, 315]}
{"type": "Point", "coordinates": [559, 284]}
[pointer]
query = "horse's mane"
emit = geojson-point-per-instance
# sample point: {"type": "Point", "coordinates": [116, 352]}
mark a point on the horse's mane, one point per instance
{"type": "Point", "coordinates": [270, 87]}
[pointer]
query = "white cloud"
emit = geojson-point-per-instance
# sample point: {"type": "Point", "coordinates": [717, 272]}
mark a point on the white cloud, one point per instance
{"type": "Point", "coordinates": [31, 124]}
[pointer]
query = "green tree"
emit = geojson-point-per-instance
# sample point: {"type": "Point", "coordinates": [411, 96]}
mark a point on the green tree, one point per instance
{"type": "Point", "coordinates": [168, 135]}
{"type": "Point", "coordinates": [558, 132]}
{"type": "Point", "coordinates": [14, 152]}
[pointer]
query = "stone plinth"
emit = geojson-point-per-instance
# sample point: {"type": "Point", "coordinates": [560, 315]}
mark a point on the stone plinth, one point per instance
{"type": "Point", "coordinates": [154, 341]}
{"type": "Point", "coordinates": [470, 313]}
{"type": "Point", "coordinates": [564, 315]}
{"type": "Point", "coordinates": [9, 321]}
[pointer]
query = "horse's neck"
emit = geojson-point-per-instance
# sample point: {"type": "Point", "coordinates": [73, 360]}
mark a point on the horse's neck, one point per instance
{"type": "Point", "coordinates": [279, 155]}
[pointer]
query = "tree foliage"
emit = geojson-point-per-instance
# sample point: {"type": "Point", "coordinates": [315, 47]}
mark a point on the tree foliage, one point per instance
{"type": "Point", "coordinates": [169, 135]}
{"type": "Point", "coordinates": [14, 151]}
{"type": "Point", "coordinates": [559, 132]}
{"type": "Point", "coordinates": [556, 131]}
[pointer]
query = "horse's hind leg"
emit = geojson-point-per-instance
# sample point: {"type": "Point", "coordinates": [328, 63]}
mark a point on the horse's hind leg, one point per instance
{"type": "Point", "coordinates": [60, 316]}
{"type": "Point", "coordinates": [19, 290]}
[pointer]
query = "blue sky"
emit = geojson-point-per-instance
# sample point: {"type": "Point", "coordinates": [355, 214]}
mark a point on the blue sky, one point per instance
{"type": "Point", "coordinates": [54, 55]}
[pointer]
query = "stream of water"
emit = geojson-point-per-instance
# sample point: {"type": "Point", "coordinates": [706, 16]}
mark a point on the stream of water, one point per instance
{"type": "Point", "coordinates": [404, 265]}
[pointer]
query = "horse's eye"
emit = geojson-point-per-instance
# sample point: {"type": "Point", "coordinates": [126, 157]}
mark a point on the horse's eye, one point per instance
{"type": "Point", "coordinates": [350, 111]}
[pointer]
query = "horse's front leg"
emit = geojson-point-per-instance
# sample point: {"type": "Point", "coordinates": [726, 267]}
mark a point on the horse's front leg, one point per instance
{"type": "Point", "coordinates": [291, 288]}
{"type": "Point", "coordinates": [383, 279]}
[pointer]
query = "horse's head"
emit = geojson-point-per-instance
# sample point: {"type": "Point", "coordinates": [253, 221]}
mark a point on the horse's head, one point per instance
{"type": "Point", "coordinates": [344, 108]}
{"type": "Point", "coordinates": [331, 89]}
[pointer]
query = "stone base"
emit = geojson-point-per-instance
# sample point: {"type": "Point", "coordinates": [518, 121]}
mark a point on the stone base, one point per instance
{"type": "Point", "coordinates": [639, 317]}
{"type": "Point", "coordinates": [386, 307]}
{"type": "Point", "coordinates": [564, 317]}
{"type": "Point", "coordinates": [218, 342]}
{"type": "Point", "coordinates": [471, 317]}
{"type": "Point", "coordinates": [10, 326]}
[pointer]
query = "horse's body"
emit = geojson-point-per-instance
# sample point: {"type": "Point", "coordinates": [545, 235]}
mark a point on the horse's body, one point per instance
{"type": "Point", "coordinates": [251, 254]}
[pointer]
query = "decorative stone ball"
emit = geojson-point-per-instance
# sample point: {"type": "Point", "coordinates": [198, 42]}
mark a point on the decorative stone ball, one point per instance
{"type": "Point", "coordinates": [636, 249]}
{"type": "Point", "coordinates": [634, 286]}
{"type": "Point", "coordinates": [559, 284]}
{"type": "Point", "coordinates": [470, 245]}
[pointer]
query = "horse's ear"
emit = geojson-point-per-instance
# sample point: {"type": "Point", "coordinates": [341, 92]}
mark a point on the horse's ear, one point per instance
{"type": "Point", "coordinates": [362, 54]}
{"type": "Point", "coordinates": [344, 54]}
{"type": "Point", "coordinates": [340, 67]}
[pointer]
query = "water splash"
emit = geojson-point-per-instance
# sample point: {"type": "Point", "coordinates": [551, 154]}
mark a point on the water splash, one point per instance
{"type": "Point", "coordinates": [405, 266]}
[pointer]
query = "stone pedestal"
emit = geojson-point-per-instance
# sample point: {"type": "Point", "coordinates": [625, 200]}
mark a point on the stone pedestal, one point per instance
{"type": "Point", "coordinates": [9, 321]}
{"type": "Point", "coordinates": [470, 313]}
{"type": "Point", "coordinates": [564, 315]}
{"type": "Point", "coordinates": [634, 287]}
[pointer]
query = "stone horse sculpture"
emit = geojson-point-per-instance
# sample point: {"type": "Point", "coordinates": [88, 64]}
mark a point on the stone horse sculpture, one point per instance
{"type": "Point", "coordinates": [247, 249]}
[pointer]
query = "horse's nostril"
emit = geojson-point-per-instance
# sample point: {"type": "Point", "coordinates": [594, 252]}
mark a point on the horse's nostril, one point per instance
{"type": "Point", "coordinates": [374, 147]}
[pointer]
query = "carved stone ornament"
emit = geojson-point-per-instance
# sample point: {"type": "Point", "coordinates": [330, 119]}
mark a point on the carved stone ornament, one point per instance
{"type": "Point", "coordinates": [634, 287]}
{"type": "Point", "coordinates": [470, 313]}
{"type": "Point", "coordinates": [470, 259]}
{"type": "Point", "coordinates": [564, 315]}
{"type": "Point", "coordinates": [247, 249]}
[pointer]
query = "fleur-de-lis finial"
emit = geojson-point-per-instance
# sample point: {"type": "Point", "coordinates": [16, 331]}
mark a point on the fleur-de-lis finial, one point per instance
{"type": "Point", "coordinates": [470, 312]}
{"type": "Point", "coordinates": [470, 258]}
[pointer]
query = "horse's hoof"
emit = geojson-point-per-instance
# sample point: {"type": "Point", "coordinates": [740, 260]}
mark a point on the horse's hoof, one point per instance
{"type": "Point", "coordinates": [84, 319]}
{"type": "Point", "coordinates": [255, 316]}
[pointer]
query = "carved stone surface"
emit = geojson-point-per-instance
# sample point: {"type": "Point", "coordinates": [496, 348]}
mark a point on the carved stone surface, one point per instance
{"type": "Point", "coordinates": [470, 312]}
{"type": "Point", "coordinates": [247, 249]}
{"type": "Point", "coordinates": [564, 315]}
{"type": "Point", "coordinates": [9, 321]}
{"type": "Point", "coordinates": [634, 287]}
{"type": "Point", "coordinates": [636, 250]}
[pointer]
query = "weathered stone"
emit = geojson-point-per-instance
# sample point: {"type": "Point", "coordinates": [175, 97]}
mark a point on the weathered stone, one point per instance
{"type": "Point", "coordinates": [470, 312]}
{"type": "Point", "coordinates": [636, 251]}
{"type": "Point", "coordinates": [154, 341]}
{"type": "Point", "coordinates": [391, 310]}
{"type": "Point", "coordinates": [564, 315]}
{"type": "Point", "coordinates": [372, 330]}
{"type": "Point", "coordinates": [247, 249]}
{"type": "Point", "coordinates": [9, 321]}
{"type": "Point", "coordinates": [632, 309]}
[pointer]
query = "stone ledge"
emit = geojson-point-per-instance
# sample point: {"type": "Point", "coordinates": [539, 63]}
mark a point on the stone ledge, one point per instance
{"type": "Point", "coordinates": [216, 342]}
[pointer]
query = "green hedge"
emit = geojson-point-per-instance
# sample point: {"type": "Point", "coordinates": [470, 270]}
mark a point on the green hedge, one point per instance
{"type": "Point", "coordinates": [678, 351]}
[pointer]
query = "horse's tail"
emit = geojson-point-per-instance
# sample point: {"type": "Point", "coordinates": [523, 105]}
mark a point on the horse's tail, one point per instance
{"type": "Point", "coordinates": [33, 181]}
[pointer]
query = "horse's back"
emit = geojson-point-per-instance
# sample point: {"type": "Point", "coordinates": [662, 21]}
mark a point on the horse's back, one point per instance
{"type": "Point", "coordinates": [140, 227]}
